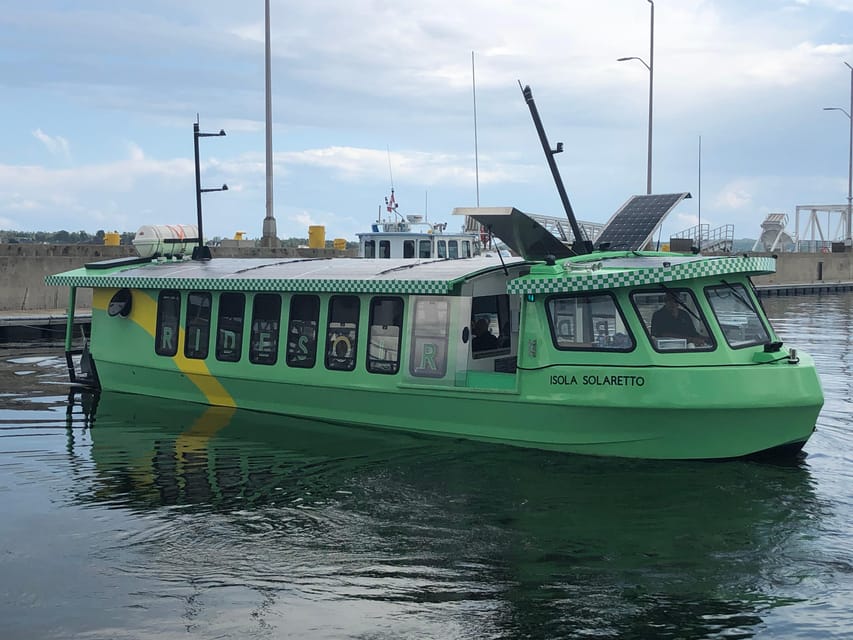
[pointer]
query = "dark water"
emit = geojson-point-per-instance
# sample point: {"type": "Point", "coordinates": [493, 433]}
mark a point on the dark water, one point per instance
{"type": "Point", "coordinates": [163, 520]}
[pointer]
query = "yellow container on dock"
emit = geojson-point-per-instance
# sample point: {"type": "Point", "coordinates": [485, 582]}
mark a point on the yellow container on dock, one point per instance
{"type": "Point", "coordinates": [112, 239]}
{"type": "Point", "coordinates": [317, 237]}
{"type": "Point", "coordinates": [340, 244]}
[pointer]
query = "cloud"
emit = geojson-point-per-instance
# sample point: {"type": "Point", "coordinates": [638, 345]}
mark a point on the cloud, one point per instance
{"type": "Point", "coordinates": [57, 145]}
{"type": "Point", "coordinates": [354, 164]}
{"type": "Point", "coordinates": [304, 219]}
{"type": "Point", "coordinates": [118, 176]}
{"type": "Point", "coordinates": [349, 79]}
{"type": "Point", "coordinates": [736, 195]}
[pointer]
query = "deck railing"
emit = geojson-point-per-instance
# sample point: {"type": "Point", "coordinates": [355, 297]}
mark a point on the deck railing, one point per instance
{"type": "Point", "coordinates": [718, 240]}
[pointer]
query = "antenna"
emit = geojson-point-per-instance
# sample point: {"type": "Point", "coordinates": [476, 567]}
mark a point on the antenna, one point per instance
{"type": "Point", "coordinates": [390, 173]}
{"type": "Point", "coordinates": [476, 152]}
{"type": "Point", "coordinates": [699, 203]}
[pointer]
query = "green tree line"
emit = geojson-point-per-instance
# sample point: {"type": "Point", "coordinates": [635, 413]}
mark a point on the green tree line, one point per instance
{"type": "Point", "coordinates": [59, 237]}
{"type": "Point", "coordinates": [83, 237]}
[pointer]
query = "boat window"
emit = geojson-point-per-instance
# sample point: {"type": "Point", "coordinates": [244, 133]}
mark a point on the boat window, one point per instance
{"type": "Point", "coordinates": [424, 248]}
{"type": "Point", "coordinates": [168, 317]}
{"type": "Point", "coordinates": [490, 326]}
{"type": "Point", "coordinates": [384, 248]}
{"type": "Point", "coordinates": [442, 248]}
{"type": "Point", "coordinates": [302, 331]}
{"type": "Point", "coordinates": [466, 248]}
{"type": "Point", "coordinates": [737, 315]}
{"type": "Point", "coordinates": [197, 328]}
{"type": "Point", "coordinates": [430, 330]}
{"type": "Point", "coordinates": [408, 248]}
{"type": "Point", "coordinates": [673, 320]}
{"type": "Point", "coordinates": [452, 249]}
{"type": "Point", "coordinates": [229, 327]}
{"type": "Point", "coordinates": [386, 325]}
{"type": "Point", "coordinates": [266, 316]}
{"type": "Point", "coordinates": [342, 333]}
{"type": "Point", "coordinates": [588, 321]}
{"type": "Point", "coordinates": [369, 249]}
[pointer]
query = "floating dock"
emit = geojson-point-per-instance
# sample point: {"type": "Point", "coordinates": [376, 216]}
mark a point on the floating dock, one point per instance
{"type": "Point", "coordinates": [48, 324]}
{"type": "Point", "coordinates": [812, 288]}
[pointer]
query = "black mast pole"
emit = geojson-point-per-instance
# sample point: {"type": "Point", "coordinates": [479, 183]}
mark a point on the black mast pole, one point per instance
{"type": "Point", "coordinates": [198, 254]}
{"type": "Point", "coordinates": [581, 245]}
{"type": "Point", "coordinates": [202, 251]}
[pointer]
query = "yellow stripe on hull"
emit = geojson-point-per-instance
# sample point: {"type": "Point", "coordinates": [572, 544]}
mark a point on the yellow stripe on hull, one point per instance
{"type": "Point", "coordinates": [144, 313]}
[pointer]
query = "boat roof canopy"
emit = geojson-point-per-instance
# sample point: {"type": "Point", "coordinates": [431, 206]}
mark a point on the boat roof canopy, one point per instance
{"type": "Point", "coordinates": [590, 272]}
{"type": "Point", "coordinates": [341, 275]}
{"type": "Point", "coordinates": [607, 271]}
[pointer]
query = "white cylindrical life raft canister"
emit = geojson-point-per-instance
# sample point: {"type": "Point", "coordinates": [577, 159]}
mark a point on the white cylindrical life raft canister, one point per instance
{"type": "Point", "coordinates": [165, 239]}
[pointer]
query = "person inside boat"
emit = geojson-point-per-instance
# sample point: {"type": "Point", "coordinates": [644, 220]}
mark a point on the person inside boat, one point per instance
{"type": "Point", "coordinates": [673, 321]}
{"type": "Point", "coordinates": [483, 338]}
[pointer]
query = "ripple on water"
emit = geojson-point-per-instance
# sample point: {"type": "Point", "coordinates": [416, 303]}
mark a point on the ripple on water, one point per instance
{"type": "Point", "coordinates": [268, 527]}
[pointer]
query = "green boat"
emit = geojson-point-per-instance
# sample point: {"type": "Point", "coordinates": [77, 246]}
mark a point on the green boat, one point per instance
{"type": "Point", "coordinates": [569, 359]}
{"type": "Point", "coordinates": [582, 347]}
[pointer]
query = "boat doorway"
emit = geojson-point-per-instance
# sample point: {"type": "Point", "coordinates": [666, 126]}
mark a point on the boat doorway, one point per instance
{"type": "Point", "coordinates": [493, 329]}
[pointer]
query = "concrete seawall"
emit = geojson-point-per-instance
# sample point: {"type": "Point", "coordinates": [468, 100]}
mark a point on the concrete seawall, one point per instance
{"type": "Point", "coordinates": [808, 268]}
{"type": "Point", "coordinates": [23, 268]}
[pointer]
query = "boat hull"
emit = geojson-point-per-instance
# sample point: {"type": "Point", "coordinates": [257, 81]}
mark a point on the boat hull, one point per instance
{"type": "Point", "coordinates": [687, 429]}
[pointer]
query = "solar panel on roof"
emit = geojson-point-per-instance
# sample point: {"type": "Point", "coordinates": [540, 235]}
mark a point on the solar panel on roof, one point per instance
{"type": "Point", "coordinates": [521, 233]}
{"type": "Point", "coordinates": [634, 224]}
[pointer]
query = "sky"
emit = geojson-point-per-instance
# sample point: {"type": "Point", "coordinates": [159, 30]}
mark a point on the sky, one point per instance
{"type": "Point", "coordinates": [98, 100]}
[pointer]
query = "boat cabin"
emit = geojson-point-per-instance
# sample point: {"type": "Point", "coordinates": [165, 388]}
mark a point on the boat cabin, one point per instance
{"type": "Point", "coordinates": [404, 244]}
{"type": "Point", "coordinates": [413, 237]}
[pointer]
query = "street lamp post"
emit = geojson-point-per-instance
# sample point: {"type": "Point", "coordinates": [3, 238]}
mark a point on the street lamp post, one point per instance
{"type": "Point", "coordinates": [202, 251]}
{"type": "Point", "coordinates": [848, 241]}
{"type": "Point", "coordinates": [270, 233]}
{"type": "Point", "coordinates": [651, 67]}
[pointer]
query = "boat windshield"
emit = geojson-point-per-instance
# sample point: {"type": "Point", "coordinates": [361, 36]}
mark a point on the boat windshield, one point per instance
{"type": "Point", "coordinates": [583, 321]}
{"type": "Point", "coordinates": [673, 320]}
{"type": "Point", "coordinates": [737, 315]}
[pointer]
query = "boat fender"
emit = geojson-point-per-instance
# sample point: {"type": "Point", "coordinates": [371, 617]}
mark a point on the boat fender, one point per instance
{"type": "Point", "coordinates": [347, 346]}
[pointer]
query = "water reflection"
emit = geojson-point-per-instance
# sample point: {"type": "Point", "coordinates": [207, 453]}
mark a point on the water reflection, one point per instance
{"type": "Point", "coordinates": [461, 539]}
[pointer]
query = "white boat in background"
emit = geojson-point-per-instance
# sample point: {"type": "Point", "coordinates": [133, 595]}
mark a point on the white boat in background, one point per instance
{"type": "Point", "coordinates": [412, 236]}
